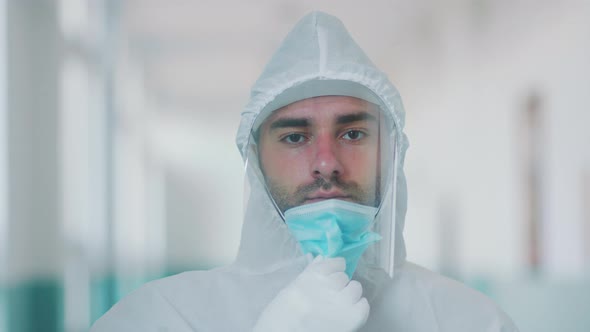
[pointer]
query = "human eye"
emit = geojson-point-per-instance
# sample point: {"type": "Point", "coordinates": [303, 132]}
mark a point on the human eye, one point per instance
{"type": "Point", "coordinates": [293, 138]}
{"type": "Point", "coordinates": [354, 135]}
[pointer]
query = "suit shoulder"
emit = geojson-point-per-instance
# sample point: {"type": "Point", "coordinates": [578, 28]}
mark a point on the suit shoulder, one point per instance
{"type": "Point", "coordinates": [149, 306]}
{"type": "Point", "coordinates": [446, 297]}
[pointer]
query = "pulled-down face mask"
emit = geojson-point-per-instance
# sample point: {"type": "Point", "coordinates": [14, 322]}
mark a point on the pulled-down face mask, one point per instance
{"type": "Point", "coordinates": [333, 228]}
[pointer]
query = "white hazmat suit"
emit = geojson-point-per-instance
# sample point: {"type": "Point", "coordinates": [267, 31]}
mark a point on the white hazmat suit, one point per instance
{"type": "Point", "coordinates": [272, 285]}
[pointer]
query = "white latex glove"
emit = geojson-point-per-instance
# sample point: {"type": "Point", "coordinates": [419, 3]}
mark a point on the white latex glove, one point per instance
{"type": "Point", "coordinates": [321, 298]}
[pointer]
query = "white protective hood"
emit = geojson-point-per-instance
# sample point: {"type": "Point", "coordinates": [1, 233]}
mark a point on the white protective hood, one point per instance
{"type": "Point", "coordinates": [317, 58]}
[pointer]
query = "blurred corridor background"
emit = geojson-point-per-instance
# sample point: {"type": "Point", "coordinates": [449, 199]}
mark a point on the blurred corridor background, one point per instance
{"type": "Point", "coordinates": [118, 163]}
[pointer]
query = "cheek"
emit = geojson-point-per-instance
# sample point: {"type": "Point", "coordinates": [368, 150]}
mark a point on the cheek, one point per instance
{"type": "Point", "coordinates": [361, 166]}
{"type": "Point", "coordinates": [286, 168]}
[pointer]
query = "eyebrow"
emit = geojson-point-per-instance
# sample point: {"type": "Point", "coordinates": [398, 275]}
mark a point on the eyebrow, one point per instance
{"type": "Point", "coordinates": [360, 116]}
{"type": "Point", "coordinates": [289, 122]}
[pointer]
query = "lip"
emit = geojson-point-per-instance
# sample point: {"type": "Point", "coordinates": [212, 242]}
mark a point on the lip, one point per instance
{"type": "Point", "coordinates": [325, 196]}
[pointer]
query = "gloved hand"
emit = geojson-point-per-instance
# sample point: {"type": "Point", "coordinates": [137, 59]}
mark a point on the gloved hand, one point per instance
{"type": "Point", "coordinates": [321, 298]}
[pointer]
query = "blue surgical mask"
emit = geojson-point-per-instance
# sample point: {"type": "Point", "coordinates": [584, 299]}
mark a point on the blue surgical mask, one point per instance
{"type": "Point", "coordinates": [333, 228]}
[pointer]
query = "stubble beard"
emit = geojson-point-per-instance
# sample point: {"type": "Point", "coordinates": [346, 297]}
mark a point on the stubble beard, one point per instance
{"type": "Point", "coordinates": [286, 200]}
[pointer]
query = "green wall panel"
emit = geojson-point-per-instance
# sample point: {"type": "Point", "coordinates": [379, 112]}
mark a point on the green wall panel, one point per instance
{"type": "Point", "coordinates": [35, 306]}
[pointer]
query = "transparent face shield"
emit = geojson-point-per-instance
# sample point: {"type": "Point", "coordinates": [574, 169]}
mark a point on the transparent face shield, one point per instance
{"type": "Point", "coordinates": [330, 148]}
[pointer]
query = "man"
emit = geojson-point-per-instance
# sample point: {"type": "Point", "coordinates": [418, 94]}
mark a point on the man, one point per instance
{"type": "Point", "coordinates": [322, 246]}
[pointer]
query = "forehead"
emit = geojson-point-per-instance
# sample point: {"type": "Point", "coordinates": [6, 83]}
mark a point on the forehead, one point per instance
{"type": "Point", "coordinates": [325, 107]}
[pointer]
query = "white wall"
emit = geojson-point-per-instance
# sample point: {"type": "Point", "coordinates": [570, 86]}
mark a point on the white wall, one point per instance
{"type": "Point", "coordinates": [34, 241]}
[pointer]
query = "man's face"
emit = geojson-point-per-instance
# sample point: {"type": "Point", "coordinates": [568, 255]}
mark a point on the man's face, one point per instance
{"type": "Point", "coordinates": [322, 148]}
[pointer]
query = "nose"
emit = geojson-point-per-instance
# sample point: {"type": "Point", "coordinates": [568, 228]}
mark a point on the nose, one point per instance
{"type": "Point", "coordinates": [326, 162]}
